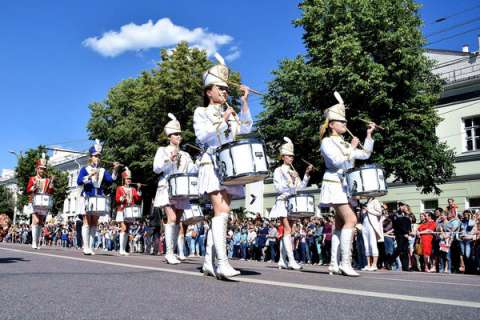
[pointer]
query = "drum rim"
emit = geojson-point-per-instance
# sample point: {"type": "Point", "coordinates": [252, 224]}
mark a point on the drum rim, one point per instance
{"type": "Point", "coordinates": [240, 142]}
{"type": "Point", "coordinates": [249, 174]}
{"type": "Point", "coordinates": [174, 175]}
{"type": "Point", "coordinates": [366, 166]}
{"type": "Point", "coordinates": [300, 193]}
{"type": "Point", "coordinates": [367, 193]}
{"type": "Point", "coordinates": [184, 196]}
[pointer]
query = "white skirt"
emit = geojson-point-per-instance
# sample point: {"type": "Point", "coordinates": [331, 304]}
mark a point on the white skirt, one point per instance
{"type": "Point", "coordinates": [333, 193]}
{"type": "Point", "coordinates": [162, 200]}
{"type": "Point", "coordinates": [209, 181]}
{"type": "Point", "coordinates": [119, 216]}
{"type": "Point", "coordinates": [279, 209]}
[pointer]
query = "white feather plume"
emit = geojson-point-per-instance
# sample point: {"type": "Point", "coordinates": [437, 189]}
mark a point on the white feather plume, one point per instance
{"type": "Point", "coordinates": [97, 141]}
{"type": "Point", "coordinates": [43, 155]}
{"type": "Point", "coordinates": [338, 97]}
{"type": "Point", "coordinates": [171, 116]}
{"type": "Point", "coordinates": [219, 58]}
{"type": "Point", "coordinates": [287, 139]}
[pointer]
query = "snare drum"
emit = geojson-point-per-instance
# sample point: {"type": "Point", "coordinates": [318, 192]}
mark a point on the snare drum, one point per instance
{"type": "Point", "coordinates": [366, 181]}
{"type": "Point", "coordinates": [300, 205]}
{"type": "Point", "coordinates": [242, 162]}
{"type": "Point", "coordinates": [97, 205]}
{"type": "Point", "coordinates": [192, 215]}
{"type": "Point", "coordinates": [183, 185]}
{"type": "Point", "coordinates": [42, 202]}
{"type": "Point", "coordinates": [132, 212]}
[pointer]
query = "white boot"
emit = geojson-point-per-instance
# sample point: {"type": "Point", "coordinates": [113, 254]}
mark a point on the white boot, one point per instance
{"type": "Point", "coordinates": [346, 239]}
{"type": "Point", "coordinates": [208, 267]}
{"type": "Point", "coordinates": [219, 232]}
{"type": "Point", "coordinates": [169, 241]}
{"type": "Point", "coordinates": [35, 232]}
{"type": "Point", "coordinates": [287, 242]}
{"type": "Point", "coordinates": [86, 239]}
{"type": "Point", "coordinates": [180, 243]}
{"type": "Point", "coordinates": [282, 263]}
{"type": "Point", "coordinates": [123, 238]}
{"type": "Point", "coordinates": [333, 267]}
{"type": "Point", "coordinates": [93, 231]}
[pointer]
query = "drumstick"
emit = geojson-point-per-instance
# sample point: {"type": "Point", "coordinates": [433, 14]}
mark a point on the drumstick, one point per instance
{"type": "Point", "coordinates": [193, 147]}
{"type": "Point", "coordinates": [351, 134]}
{"type": "Point", "coordinates": [368, 122]}
{"type": "Point", "coordinates": [308, 163]}
{"type": "Point", "coordinates": [237, 84]}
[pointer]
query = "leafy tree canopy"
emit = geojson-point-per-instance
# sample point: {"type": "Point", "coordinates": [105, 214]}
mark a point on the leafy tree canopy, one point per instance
{"type": "Point", "coordinates": [371, 51]}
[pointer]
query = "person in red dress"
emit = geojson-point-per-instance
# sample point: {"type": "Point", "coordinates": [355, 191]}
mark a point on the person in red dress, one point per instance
{"type": "Point", "coordinates": [39, 184]}
{"type": "Point", "coordinates": [425, 230]}
{"type": "Point", "coordinates": [125, 196]}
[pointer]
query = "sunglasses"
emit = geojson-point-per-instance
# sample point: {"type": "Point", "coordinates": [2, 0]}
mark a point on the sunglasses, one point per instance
{"type": "Point", "coordinates": [222, 88]}
{"type": "Point", "coordinates": [341, 121]}
{"type": "Point", "coordinates": [178, 134]}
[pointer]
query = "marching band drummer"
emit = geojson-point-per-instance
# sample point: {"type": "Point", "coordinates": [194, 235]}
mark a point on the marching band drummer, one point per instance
{"type": "Point", "coordinates": [215, 126]}
{"type": "Point", "coordinates": [125, 196]}
{"type": "Point", "coordinates": [91, 179]}
{"type": "Point", "coordinates": [169, 160]}
{"type": "Point", "coordinates": [287, 181]}
{"type": "Point", "coordinates": [39, 184]}
{"type": "Point", "coordinates": [340, 156]}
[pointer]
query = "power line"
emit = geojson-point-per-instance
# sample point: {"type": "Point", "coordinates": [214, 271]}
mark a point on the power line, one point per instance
{"type": "Point", "coordinates": [442, 19]}
{"type": "Point", "coordinates": [453, 27]}
{"type": "Point", "coordinates": [454, 36]}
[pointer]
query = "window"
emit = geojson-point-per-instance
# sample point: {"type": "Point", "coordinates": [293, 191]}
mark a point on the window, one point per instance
{"type": "Point", "coordinates": [472, 133]}
{"type": "Point", "coordinates": [430, 205]}
{"type": "Point", "coordinates": [474, 202]}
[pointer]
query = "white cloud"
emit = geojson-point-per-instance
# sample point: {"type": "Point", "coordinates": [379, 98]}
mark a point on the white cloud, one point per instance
{"type": "Point", "coordinates": [163, 33]}
{"type": "Point", "coordinates": [233, 53]}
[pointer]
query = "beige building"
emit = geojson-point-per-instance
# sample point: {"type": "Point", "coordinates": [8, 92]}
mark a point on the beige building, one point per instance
{"type": "Point", "coordinates": [459, 108]}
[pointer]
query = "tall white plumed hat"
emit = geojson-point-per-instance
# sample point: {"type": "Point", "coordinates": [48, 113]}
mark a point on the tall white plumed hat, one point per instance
{"type": "Point", "coordinates": [218, 74]}
{"type": "Point", "coordinates": [337, 111]}
{"type": "Point", "coordinates": [287, 148]}
{"type": "Point", "coordinates": [172, 126]}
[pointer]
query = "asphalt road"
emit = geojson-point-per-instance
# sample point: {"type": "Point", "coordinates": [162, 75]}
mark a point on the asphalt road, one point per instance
{"type": "Point", "coordinates": [55, 283]}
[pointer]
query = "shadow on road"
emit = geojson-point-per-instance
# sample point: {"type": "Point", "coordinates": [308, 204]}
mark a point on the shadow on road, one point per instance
{"type": "Point", "coordinates": [12, 260]}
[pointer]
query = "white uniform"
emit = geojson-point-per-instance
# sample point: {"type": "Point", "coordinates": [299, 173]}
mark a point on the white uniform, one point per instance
{"type": "Point", "coordinates": [372, 231]}
{"type": "Point", "coordinates": [286, 186]}
{"type": "Point", "coordinates": [212, 131]}
{"type": "Point", "coordinates": [339, 157]}
{"type": "Point", "coordinates": [163, 165]}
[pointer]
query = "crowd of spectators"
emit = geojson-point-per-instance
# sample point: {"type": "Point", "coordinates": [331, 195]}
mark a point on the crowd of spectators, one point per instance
{"type": "Point", "coordinates": [440, 241]}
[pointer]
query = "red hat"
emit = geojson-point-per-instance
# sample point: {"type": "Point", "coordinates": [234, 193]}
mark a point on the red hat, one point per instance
{"type": "Point", "coordinates": [126, 174]}
{"type": "Point", "coordinates": [42, 162]}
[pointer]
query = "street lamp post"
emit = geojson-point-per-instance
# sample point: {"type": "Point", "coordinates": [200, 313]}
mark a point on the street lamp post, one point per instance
{"type": "Point", "coordinates": [15, 196]}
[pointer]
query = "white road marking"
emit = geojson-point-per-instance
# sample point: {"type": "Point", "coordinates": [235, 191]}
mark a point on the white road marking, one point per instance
{"type": "Point", "coordinates": [353, 292]}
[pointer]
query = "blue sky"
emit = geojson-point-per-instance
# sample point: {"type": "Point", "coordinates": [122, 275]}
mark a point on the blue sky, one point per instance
{"type": "Point", "coordinates": [50, 72]}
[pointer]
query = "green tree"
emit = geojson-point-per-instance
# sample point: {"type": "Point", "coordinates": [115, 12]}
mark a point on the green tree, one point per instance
{"type": "Point", "coordinates": [7, 203]}
{"type": "Point", "coordinates": [131, 119]}
{"type": "Point", "coordinates": [26, 168]}
{"type": "Point", "coordinates": [371, 51]}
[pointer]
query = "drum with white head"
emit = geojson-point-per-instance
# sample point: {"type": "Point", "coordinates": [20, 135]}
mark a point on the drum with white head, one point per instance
{"type": "Point", "coordinates": [42, 203]}
{"type": "Point", "coordinates": [97, 205]}
{"type": "Point", "coordinates": [242, 162]}
{"type": "Point", "coordinates": [300, 205]}
{"type": "Point", "coordinates": [133, 212]}
{"type": "Point", "coordinates": [193, 214]}
{"type": "Point", "coordinates": [183, 185]}
{"type": "Point", "coordinates": [366, 181]}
